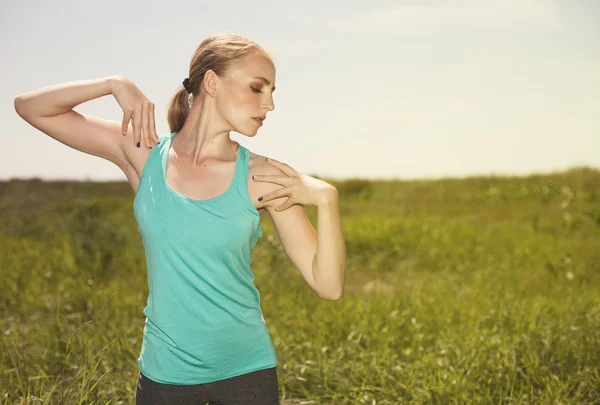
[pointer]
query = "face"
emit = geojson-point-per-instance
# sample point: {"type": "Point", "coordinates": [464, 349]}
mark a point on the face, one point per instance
{"type": "Point", "coordinates": [243, 96]}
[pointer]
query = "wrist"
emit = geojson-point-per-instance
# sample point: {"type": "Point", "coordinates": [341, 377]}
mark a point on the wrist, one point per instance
{"type": "Point", "coordinates": [329, 197]}
{"type": "Point", "coordinates": [111, 81]}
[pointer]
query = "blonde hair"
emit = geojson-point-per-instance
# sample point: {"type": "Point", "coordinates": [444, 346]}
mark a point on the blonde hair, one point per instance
{"type": "Point", "coordinates": [219, 53]}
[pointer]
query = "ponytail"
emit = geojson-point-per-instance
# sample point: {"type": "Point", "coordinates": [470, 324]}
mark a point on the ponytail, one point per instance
{"type": "Point", "coordinates": [178, 109]}
{"type": "Point", "coordinates": [218, 53]}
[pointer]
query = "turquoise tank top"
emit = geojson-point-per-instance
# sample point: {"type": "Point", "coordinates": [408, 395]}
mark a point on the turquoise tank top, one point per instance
{"type": "Point", "coordinates": [203, 317]}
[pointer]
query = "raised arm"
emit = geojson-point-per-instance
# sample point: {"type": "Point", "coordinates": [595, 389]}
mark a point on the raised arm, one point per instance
{"type": "Point", "coordinates": [50, 109]}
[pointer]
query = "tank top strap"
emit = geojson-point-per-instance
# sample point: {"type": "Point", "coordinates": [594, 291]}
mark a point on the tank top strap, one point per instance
{"type": "Point", "coordinates": [242, 169]}
{"type": "Point", "coordinates": [163, 144]}
{"type": "Point", "coordinates": [163, 149]}
{"type": "Point", "coordinates": [153, 166]}
{"type": "Point", "coordinates": [242, 184]}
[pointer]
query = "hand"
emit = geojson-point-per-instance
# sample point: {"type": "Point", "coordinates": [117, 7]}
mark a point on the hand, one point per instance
{"type": "Point", "coordinates": [135, 104]}
{"type": "Point", "coordinates": [300, 188]}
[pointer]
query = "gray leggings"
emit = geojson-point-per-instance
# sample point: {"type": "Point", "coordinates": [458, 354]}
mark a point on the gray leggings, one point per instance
{"type": "Point", "coordinates": [259, 387]}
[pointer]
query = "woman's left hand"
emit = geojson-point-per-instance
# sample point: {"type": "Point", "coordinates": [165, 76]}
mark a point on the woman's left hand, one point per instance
{"type": "Point", "coordinates": [300, 188]}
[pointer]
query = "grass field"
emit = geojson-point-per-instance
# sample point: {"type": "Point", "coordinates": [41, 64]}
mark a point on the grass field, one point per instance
{"type": "Point", "coordinates": [480, 290]}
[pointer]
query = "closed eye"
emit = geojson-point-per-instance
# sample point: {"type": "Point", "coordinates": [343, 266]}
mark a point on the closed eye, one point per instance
{"type": "Point", "coordinates": [255, 90]}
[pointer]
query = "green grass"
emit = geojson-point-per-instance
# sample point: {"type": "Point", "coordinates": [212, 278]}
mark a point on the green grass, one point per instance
{"type": "Point", "coordinates": [481, 290]}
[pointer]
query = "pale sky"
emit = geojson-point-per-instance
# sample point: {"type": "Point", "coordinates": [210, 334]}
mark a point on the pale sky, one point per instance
{"type": "Point", "coordinates": [372, 89]}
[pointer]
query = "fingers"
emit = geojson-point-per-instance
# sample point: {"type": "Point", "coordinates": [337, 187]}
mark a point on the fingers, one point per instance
{"type": "Point", "coordinates": [137, 125]}
{"type": "Point", "coordinates": [284, 167]}
{"type": "Point", "coordinates": [143, 123]}
{"type": "Point", "coordinates": [146, 124]}
{"type": "Point", "coordinates": [274, 178]}
{"type": "Point", "coordinates": [126, 119]}
{"type": "Point", "coordinates": [276, 194]}
{"type": "Point", "coordinates": [152, 119]}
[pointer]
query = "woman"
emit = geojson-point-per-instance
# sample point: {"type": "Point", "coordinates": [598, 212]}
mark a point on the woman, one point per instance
{"type": "Point", "coordinates": [198, 201]}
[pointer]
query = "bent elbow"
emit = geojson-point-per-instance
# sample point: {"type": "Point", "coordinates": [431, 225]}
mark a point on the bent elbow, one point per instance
{"type": "Point", "coordinates": [20, 107]}
{"type": "Point", "coordinates": [332, 297]}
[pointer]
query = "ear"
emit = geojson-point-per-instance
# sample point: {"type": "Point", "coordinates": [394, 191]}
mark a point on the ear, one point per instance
{"type": "Point", "coordinates": [210, 83]}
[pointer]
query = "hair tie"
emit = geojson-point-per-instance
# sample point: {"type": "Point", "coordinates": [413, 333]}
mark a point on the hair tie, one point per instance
{"type": "Point", "coordinates": [187, 85]}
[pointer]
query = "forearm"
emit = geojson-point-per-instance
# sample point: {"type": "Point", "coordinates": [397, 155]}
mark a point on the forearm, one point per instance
{"type": "Point", "coordinates": [329, 263]}
{"type": "Point", "coordinates": [60, 98]}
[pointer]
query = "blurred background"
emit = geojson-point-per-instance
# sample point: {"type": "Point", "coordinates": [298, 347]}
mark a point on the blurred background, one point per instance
{"type": "Point", "coordinates": [464, 139]}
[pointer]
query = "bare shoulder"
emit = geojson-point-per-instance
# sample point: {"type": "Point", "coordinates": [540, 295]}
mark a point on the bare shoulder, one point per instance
{"type": "Point", "coordinates": [258, 165]}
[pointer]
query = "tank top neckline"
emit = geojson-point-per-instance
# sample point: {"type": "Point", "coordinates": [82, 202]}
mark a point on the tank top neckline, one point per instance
{"type": "Point", "coordinates": [229, 189]}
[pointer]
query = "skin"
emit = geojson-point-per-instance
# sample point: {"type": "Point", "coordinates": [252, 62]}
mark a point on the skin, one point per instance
{"type": "Point", "coordinates": [201, 160]}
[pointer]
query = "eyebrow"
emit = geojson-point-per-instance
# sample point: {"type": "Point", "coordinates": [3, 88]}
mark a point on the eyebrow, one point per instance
{"type": "Point", "coordinates": [268, 83]}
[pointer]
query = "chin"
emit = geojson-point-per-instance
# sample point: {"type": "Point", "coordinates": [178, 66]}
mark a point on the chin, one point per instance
{"type": "Point", "coordinates": [250, 133]}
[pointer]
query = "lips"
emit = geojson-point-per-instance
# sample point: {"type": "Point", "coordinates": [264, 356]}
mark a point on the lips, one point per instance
{"type": "Point", "coordinates": [258, 121]}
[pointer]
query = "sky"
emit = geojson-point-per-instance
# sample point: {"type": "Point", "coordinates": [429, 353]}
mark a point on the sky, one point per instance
{"type": "Point", "coordinates": [371, 89]}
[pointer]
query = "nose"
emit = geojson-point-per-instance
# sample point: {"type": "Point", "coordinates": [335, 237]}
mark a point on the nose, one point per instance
{"type": "Point", "coordinates": [269, 104]}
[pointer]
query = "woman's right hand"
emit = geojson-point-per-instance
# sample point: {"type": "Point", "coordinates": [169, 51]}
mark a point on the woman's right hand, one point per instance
{"type": "Point", "coordinates": [135, 105]}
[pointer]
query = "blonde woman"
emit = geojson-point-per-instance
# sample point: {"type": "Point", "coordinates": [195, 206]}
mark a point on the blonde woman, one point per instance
{"type": "Point", "coordinates": [198, 200]}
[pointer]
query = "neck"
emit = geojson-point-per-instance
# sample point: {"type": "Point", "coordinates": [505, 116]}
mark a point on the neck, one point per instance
{"type": "Point", "coordinates": [203, 137]}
